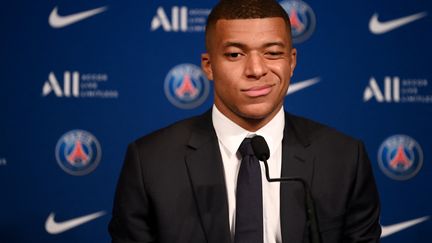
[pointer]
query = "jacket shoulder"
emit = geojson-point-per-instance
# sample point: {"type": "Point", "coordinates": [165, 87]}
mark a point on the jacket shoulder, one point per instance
{"type": "Point", "coordinates": [310, 131]}
{"type": "Point", "coordinates": [177, 134]}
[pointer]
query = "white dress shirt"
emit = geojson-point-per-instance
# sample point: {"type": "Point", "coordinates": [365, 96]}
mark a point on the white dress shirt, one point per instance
{"type": "Point", "coordinates": [230, 136]}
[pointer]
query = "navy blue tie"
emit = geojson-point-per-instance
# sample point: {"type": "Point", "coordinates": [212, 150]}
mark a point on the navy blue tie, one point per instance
{"type": "Point", "coordinates": [249, 206]}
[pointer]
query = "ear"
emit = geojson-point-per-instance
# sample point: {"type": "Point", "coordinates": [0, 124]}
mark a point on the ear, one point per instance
{"type": "Point", "coordinates": [206, 66]}
{"type": "Point", "coordinates": [293, 60]}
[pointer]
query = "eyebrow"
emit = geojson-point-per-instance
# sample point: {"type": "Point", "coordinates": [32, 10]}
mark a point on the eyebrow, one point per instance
{"type": "Point", "coordinates": [234, 44]}
{"type": "Point", "coordinates": [276, 43]}
{"type": "Point", "coordinates": [243, 46]}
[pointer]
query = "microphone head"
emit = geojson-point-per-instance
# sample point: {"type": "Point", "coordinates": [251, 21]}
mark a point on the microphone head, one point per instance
{"type": "Point", "coordinates": [260, 148]}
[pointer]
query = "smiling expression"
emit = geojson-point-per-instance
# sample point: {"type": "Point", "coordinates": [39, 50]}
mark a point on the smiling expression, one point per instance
{"type": "Point", "coordinates": [251, 62]}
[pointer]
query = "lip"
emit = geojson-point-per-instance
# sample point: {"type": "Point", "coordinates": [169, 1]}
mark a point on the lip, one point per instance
{"type": "Point", "coordinates": [257, 91]}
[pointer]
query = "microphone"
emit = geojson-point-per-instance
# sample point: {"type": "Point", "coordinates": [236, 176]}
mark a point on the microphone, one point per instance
{"type": "Point", "coordinates": [262, 152]}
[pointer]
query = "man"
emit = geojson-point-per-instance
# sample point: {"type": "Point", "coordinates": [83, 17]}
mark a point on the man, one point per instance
{"type": "Point", "coordinates": [186, 182]}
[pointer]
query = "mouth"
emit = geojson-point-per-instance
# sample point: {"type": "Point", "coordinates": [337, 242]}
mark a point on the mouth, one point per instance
{"type": "Point", "coordinates": [257, 91]}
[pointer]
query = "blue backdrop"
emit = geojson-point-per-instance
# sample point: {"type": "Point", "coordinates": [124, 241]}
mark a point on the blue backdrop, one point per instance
{"type": "Point", "coordinates": [81, 79]}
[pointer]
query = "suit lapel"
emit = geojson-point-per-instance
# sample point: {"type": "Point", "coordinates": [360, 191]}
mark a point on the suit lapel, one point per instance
{"type": "Point", "coordinates": [205, 168]}
{"type": "Point", "coordinates": [297, 161]}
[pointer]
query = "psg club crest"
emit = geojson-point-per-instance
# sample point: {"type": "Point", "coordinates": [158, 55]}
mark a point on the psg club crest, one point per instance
{"type": "Point", "coordinates": [186, 87]}
{"type": "Point", "coordinates": [400, 157]}
{"type": "Point", "coordinates": [302, 18]}
{"type": "Point", "coordinates": [78, 152]}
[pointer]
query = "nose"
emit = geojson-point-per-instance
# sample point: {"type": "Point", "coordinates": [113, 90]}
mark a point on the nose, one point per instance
{"type": "Point", "coordinates": [256, 66]}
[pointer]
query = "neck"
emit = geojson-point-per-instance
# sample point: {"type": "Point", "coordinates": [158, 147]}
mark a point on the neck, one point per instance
{"type": "Point", "coordinates": [251, 124]}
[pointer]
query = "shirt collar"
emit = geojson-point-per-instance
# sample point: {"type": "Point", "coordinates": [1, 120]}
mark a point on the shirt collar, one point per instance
{"type": "Point", "coordinates": [231, 135]}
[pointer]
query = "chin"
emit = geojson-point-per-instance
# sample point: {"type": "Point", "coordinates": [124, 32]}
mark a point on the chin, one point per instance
{"type": "Point", "coordinates": [257, 111]}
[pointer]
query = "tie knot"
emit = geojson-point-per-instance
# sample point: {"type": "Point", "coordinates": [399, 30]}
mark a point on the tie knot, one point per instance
{"type": "Point", "coordinates": [246, 148]}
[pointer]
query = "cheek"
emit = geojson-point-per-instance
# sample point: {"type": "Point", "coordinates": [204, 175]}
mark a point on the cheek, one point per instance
{"type": "Point", "coordinates": [225, 88]}
{"type": "Point", "coordinates": [222, 85]}
{"type": "Point", "coordinates": [226, 76]}
{"type": "Point", "coordinates": [282, 71]}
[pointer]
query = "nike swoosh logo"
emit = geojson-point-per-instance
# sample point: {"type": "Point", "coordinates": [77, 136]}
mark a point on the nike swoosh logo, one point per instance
{"type": "Point", "coordinates": [302, 85]}
{"type": "Point", "coordinates": [377, 27]}
{"type": "Point", "coordinates": [394, 228]}
{"type": "Point", "coordinates": [57, 21]}
{"type": "Point", "coordinates": [53, 227]}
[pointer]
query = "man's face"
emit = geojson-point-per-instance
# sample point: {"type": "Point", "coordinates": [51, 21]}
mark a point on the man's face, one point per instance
{"type": "Point", "coordinates": [251, 62]}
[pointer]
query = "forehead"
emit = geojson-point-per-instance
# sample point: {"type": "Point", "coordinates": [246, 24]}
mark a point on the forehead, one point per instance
{"type": "Point", "coordinates": [250, 31]}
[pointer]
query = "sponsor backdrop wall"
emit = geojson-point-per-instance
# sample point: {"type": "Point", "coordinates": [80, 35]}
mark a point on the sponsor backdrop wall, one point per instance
{"type": "Point", "coordinates": [81, 79]}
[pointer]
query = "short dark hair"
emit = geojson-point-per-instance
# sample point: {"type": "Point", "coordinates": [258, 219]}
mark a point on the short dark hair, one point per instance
{"type": "Point", "coordinates": [246, 9]}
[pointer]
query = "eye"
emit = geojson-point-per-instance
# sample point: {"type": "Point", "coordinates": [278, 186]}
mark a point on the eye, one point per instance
{"type": "Point", "coordinates": [274, 54]}
{"type": "Point", "coordinates": [232, 55]}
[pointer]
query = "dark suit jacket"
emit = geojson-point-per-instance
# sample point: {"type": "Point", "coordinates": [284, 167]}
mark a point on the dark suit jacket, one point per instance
{"type": "Point", "coordinates": [172, 186]}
